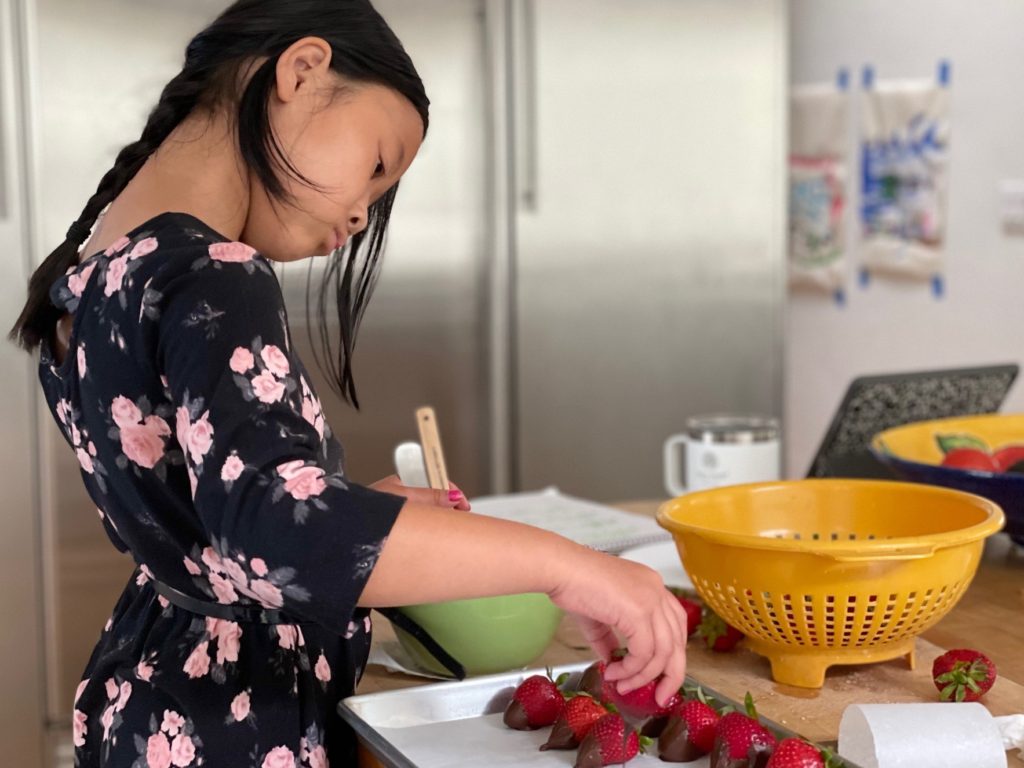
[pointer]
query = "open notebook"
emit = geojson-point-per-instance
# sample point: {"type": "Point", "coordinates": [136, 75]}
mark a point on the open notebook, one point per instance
{"type": "Point", "coordinates": [585, 522]}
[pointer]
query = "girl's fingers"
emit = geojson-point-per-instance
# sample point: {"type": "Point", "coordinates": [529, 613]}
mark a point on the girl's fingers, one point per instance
{"type": "Point", "coordinates": [656, 661]}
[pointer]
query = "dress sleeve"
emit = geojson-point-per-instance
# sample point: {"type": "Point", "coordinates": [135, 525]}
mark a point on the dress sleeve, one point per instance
{"type": "Point", "coordinates": [286, 528]}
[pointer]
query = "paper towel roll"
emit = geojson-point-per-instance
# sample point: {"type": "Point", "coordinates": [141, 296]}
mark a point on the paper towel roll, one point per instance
{"type": "Point", "coordinates": [914, 735]}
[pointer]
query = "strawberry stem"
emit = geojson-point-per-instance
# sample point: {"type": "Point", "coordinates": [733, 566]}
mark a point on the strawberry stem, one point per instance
{"type": "Point", "coordinates": [748, 704]}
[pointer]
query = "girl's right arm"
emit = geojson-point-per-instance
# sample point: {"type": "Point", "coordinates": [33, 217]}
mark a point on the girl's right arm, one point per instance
{"type": "Point", "coordinates": [434, 554]}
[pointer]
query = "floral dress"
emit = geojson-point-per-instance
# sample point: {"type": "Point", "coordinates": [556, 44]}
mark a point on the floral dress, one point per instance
{"type": "Point", "coordinates": [203, 445]}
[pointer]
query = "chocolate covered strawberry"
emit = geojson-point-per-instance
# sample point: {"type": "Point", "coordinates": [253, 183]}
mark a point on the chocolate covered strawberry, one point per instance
{"type": "Point", "coordinates": [797, 753]}
{"type": "Point", "coordinates": [690, 732]}
{"type": "Point", "coordinates": [639, 703]}
{"type": "Point", "coordinates": [963, 675]}
{"type": "Point", "coordinates": [592, 681]}
{"type": "Point", "coordinates": [740, 736]}
{"type": "Point", "coordinates": [536, 703]}
{"type": "Point", "coordinates": [718, 635]}
{"type": "Point", "coordinates": [572, 726]}
{"type": "Point", "coordinates": [608, 743]}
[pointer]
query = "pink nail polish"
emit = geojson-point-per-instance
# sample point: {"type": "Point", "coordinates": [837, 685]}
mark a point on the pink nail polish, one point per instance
{"type": "Point", "coordinates": [454, 495]}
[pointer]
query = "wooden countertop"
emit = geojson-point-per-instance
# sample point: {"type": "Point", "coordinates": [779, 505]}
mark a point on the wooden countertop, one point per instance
{"type": "Point", "coordinates": [990, 617]}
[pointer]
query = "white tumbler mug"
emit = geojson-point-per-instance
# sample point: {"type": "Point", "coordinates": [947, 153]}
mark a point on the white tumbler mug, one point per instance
{"type": "Point", "coordinates": [722, 450]}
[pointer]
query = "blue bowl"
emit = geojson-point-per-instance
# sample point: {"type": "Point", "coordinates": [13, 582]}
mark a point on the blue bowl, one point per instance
{"type": "Point", "coordinates": [914, 453]}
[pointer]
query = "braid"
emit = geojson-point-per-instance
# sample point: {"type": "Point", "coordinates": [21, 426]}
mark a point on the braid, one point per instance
{"type": "Point", "coordinates": [179, 97]}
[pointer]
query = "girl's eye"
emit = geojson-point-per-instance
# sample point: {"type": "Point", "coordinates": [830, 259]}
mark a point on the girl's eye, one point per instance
{"type": "Point", "coordinates": [379, 170]}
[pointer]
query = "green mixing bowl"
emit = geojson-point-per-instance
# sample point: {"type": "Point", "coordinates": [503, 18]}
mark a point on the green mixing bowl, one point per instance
{"type": "Point", "coordinates": [486, 635]}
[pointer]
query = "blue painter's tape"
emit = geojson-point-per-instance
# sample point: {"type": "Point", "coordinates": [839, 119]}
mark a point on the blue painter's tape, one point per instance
{"type": "Point", "coordinates": [843, 79]}
{"type": "Point", "coordinates": [840, 297]}
{"type": "Point", "coordinates": [938, 286]}
{"type": "Point", "coordinates": [865, 278]}
{"type": "Point", "coordinates": [867, 77]}
{"type": "Point", "coordinates": [944, 73]}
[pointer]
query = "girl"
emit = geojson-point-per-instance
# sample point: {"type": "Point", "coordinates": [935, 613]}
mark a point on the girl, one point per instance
{"type": "Point", "coordinates": [166, 359]}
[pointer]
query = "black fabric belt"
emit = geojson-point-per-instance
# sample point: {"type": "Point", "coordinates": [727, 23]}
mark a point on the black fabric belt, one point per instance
{"type": "Point", "coordinates": [256, 614]}
{"type": "Point", "coordinates": [253, 614]}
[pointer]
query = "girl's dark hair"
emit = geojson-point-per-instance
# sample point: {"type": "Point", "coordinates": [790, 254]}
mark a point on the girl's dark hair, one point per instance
{"type": "Point", "coordinates": [364, 50]}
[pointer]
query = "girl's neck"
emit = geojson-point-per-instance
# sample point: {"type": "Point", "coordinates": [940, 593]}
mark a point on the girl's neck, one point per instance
{"type": "Point", "coordinates": [197, 170]}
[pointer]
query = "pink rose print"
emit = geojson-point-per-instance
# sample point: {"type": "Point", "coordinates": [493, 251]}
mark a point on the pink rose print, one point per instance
{"type": "Point", "coordinates": [267, 389]}
{"type": "Point", "coordinates": [241, 360]}
{"type": "Point", "coordinates": [258, 566]}
{"type": "Point", "coordinates": [163, 601]}
{"type": "Point", "coordinates": [193, 481]}
{"type": "Point", "coordinates": [318, 758]}
{"type": "Point", "coordinates": [240, 706]}
{"type": "Point", "coordinates": [232, 469]}
{"type": "Point", "coordinates": [144, 672]}
{"type": "Point", "coordinates": [231, 252]}
{"type": "Point", "coordinates": [81, 687]}
{"type": "Point", "coordinates": [200, 438]}
{"type": "Point", "coordinates": [183, 751]}
{"type": "Point", "coordinates": [192, 568]}
{"type": "Point", "coordinates": [223, 589]}
{"type": "Point", "coordinates": [213, 560]}
{"type": "Point", "coordinates": [198, 663]}
{"type": "Point", "coordinates": [115, 275]}
{"type": "Point", "coordinates": [302, 481]}
{"type": "Point", "coordinates": [275, 360]}
{"type": "Point", "coordinates": [143, 247]}
{"type": "Point", "coordinates": [287, 636]}
{"type": "Point", "coordinates": [367, 624]}
{"type": "Point", "coordinates": [78, 281]}
{"type": "Point", "coordinates": [158, 752]}
{"type": "Point", "coordinates": [76, 436]}
{"type": "Point", "coordinates": [350, 632]}
{"type": "Point", "coordinates": [125, 694]}
{"type": "Point", "coordinates": [235, 573]}
{"type": "Point", "coordinates": [142, 443]}
{"type": "Point", "coordinates": [279, 757]}
{"type": "Point", "coordinates": [269, 595]}
{"type": "Point", "coordinates": [124, 412]}
{"type": "Point", "coordinates": [112, 689]}
{"type": "Point", "coordinates": [107, 720]}
{"type": "Point", "coordinates": [144, 575]}
{"type": "Point", "coordinates": [118, 245]}
{"type": "Point", "coordinates": [81, 362]}
{"type": "Point", "coordinates": [85, 460]}
{"type": "Point", "coordinates": [228, 635]}
{"type": "Point", "coordinates": [323, 669]}
{"type": "Point", "coordinates": [78, 727]}
{"type": "Point", "coordinates": [182, 424]}
{"type": "Point", "coordinates": [92, 448]}
{"type": "Point", "coordinates": [173, 722]}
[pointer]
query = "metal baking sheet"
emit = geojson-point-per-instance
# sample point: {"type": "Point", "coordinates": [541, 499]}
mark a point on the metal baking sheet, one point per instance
{"type": "Point", "coordinates": [454, 724]}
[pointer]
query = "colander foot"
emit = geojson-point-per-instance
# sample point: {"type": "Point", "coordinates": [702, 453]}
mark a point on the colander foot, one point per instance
{"type": "Point", "coordinates": [800, 671]}
{"type": "Point", "coordinates": [911, 659]}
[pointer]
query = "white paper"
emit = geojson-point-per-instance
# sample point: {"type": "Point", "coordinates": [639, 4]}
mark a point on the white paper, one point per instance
{"type": "Point", "coordinates": [663, 557]}
{"type": "Point", "coordinates": [585, 522]}
{"type": "Point", "coordinates": [1012, 729]}
{"type": "Point", "coordinates": [914, 735]}
{"type": "Point", "coordinates": [487, 741]}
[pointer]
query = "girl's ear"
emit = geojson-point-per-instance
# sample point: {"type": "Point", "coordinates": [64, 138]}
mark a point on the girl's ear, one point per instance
{"type": "Point", "coordinates": [303, 66]}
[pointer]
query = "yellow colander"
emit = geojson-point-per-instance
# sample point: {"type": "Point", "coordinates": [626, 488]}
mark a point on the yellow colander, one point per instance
{"type": "Point", "coordinates": [823, 572]}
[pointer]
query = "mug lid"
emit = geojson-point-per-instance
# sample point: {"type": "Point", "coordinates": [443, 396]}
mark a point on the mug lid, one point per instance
{"type": "Point", "coordinates": [729, 428]}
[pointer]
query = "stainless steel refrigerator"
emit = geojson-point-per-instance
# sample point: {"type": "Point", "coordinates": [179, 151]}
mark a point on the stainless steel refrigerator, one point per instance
{"type": "Point", "coordinates": [588, 250]}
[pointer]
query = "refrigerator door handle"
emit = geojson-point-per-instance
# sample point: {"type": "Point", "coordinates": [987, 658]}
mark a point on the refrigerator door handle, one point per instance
{"type": "Point", "coordinates": [524, 106]}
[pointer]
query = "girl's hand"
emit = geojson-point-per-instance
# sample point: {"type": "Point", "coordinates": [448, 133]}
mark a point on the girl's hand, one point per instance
{"type": "Point", "coordinates": [615, 598]}
{"type": "Point", "coordinates": [453, 499]}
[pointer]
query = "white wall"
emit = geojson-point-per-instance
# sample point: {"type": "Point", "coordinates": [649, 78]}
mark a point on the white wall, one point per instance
{"type": "Point", "coordinates": [893, 327]}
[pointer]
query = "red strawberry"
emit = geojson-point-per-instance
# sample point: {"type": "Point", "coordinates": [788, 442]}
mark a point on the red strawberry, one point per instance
{"type": "Point", "coordinates": [639, 703]}
{"type": "Point", "coordinates": [963, 675]}
{"type": "Point", "coordinates": [1008, 456]}
{"type": "Point", "coordinates": [572, 726]}
{"type": "Point", "coordinates": [796, 753]}
{"type": "Point", "coordinates": [690, 606]}
{"type": "Point", "coordinates": [607, 743]}
{"type": "Point", "coordinates": [971, 459]}
{"type": "Point", "coordinates": [537, 702]}
{"type": "Point", "coordinates": [718, 635]}
{"type": "Point", "coordinates": [741, 737]}
{"type": "Point", "coordinates": [690, 732]}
